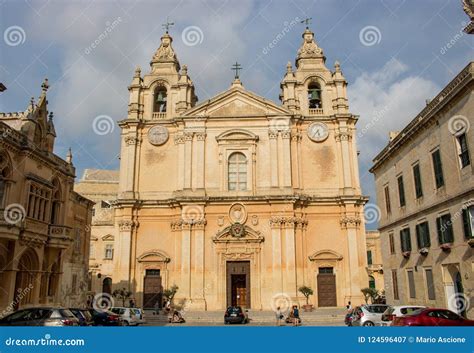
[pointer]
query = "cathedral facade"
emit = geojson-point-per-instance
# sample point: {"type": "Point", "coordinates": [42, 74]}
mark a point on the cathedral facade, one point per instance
{"type": "Point", "coordinates": [238, 200]}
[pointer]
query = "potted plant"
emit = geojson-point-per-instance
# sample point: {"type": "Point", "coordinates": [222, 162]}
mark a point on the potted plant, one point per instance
{"type": "Point", "coordinates": [306, 291]}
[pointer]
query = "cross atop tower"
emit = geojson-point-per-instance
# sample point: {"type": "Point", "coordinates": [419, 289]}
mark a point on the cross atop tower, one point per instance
{"type": "Point", "coordinates": [307, 21]}
{"type": "Point", "coordinates": [167, 25]}
{"type": "Point", "coordinates": [236, 67]}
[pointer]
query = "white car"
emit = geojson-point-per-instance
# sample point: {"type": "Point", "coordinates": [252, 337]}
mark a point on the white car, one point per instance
{"type": "Point", "coordinates": [397, 311]}
{"type": "Point", "coordinates": [129, 316]}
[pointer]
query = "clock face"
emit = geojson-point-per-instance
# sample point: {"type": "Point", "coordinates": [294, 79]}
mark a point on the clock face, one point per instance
{"type": "Point", "coordinates": [158, 135]}
{"type": "Point", "coordinates": [318, 132]}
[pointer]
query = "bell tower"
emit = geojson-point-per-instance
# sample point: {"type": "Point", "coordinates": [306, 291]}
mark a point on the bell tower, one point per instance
{"type": "Point", "coordinates": [166, 91]}
{"type": "Point", "coordinates": [312, 89]}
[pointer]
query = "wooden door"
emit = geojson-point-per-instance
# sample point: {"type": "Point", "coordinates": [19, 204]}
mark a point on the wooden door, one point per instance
{"type": "Point", "coordinates": [327, 287]}
{"type": "Point", "coordinates": [238, 283]}
{"type": "Point", "coordinates": [152, 291]}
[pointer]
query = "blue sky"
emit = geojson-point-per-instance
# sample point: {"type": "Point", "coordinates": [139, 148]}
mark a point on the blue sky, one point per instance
{"type": "Point", "coordinates": [405, 63]}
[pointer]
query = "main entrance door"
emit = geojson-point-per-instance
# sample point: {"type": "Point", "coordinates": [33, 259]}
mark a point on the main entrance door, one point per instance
{"type": "Point", "coordinates": [326, 287]}
{"type": "Point", "coordinates": [152, 290]}
{"type": "Point", "coordinates": [238, 283]}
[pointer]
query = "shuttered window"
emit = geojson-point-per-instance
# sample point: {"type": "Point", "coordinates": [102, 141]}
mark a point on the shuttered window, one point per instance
{"type": "Point", "coordinates": [401, 191]}
{"type": "Point", "coordinates": [417, 178]}
{"type": "Point", "coordinates": [388, 207]}
{"type": "Point", "coordinates": [430, 284]}
{"type": "Point", "coordinates": [468, 222]}
{"type": "Point", "coordinates": [438, 169]}
{"type": "Point", "coordinates": [411, 284]}
{"type": "Point", "coordinates": [445, 229]}
{"type": "Point", "coordinates": [395, 285]}
{"type": "Point", "coordinates": [405, 240]}
{"type": "Point", "coordinates": [423, 235]}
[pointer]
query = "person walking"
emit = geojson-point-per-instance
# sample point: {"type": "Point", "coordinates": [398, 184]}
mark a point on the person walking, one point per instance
{"type": "Point", "coordinates": [349, 306]}
{"type": "Point", "coordinates": [279, 316]}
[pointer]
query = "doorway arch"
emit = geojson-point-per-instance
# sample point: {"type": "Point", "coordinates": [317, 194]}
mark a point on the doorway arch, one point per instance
{"type": "Point", "coordinates": [28, 267]}
{"type": "Point", "coordinates": [107, 285]}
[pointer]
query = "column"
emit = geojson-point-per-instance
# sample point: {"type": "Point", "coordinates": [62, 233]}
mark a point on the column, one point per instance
{"type": "Point", "coordinates": [197, 279]}
{"type": "Point", "coordinates": [186, 261]}
{"type": "Point", "coordinates": [300, 254]}
{"type": "Point", "coordinates": [123, 252]}
{"type": "Point", "coordinates": [277, 284]}
{"type": "Point", "coordinates": [286, 165]}
{"type": "Point", "coordinates": [127, 163]}
{"type": "Point", "coordinates": [188, 156]}
{"type": "Point", "coordinates": [200, 161]}
{"type": "Point", "coordinates": [295, 159]}
{"type": "Point", "coordinates": [273, 135]}
{"type": "Point", "coordinates": [179, 141]}
{"type": "Point", "coordinates": [289, 229]}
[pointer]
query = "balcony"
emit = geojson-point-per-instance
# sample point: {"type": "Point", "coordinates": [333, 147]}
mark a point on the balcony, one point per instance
{"type": "Point", "coordinates": [158, 115]}
{"type": "Point", "coordinates": [59, 236]}
{"type": "Point", "coordinates": [316, 111]}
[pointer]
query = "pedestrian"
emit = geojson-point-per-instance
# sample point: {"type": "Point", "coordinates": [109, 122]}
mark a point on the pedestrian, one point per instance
{"type": "Point", "coordinates": [349, 306]}
{"type": "Point", "coordinates": [279, 316]}
{"type": "Point", "coordinates": [296, 315]}
{"type": "Point", "coordinates": [131, 303]}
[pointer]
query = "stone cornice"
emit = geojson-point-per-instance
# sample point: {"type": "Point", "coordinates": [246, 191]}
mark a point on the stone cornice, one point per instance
{"type": "Point", "coordinates": [426, 115]}
{"type": "Point", "coordinates": [181, 224]}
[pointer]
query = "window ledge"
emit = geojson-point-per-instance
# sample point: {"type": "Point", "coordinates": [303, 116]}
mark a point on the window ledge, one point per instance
{"type": "Point", "coordinates": [424, 251]}
{"type": "Point", "coordinates": [446, 246]}
{"type": "Point", "coordinates": [406, 254]}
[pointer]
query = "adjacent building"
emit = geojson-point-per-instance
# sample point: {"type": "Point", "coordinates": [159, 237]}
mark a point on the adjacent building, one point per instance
{"type": "Point", "coordinates": [425, 190]}
{"type": "Point", "coordinates": [374, 260]}
{"type": "Point", "coordinates": [44, 223]}
{"type": "Point", "coordinates": [101, 186]}
{"type": "Point", "coordinates": [237, 200]}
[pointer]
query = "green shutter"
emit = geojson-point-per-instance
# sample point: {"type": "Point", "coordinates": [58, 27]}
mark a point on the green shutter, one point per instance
{"type": "Point", "coordinates": [426, 235]}
{"type": "Point", "coordinates": [401, 191]}
{"type": "Point", "coordinates": [466, 222]}
{"type": "Point", "coordinates": [438, 169]}
{"type": "Point", "coordinates": [417, 177]}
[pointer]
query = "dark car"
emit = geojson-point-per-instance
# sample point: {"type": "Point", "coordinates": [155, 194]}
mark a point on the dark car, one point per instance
{"type": "Point", "coordinates": [235, 315]}
{"type": "Point", "coordinates": [40, 317]}
{"type": "Point", "coordinates": [83, 315]}
{"type": "Point", "coordinates": [105, 318]}
{"type": "Point", "coordinates": [432, 317]}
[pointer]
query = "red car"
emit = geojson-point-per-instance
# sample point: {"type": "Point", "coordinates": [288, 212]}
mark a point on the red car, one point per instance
{"type": "Point", "coordinates": [432, 317]}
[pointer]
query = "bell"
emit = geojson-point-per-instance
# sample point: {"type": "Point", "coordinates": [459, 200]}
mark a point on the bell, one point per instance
{"type": "Point", "coordinates": [315, 94]}
{"type": "Point", "coordinates": [160, 97]}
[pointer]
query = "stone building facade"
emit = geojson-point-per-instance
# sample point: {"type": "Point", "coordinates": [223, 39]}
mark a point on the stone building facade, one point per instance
{"type": "Point", "coordinates": [238, 200]}
{"type": "Point", "coordinates": [44, 223]}
{"type": "Point", "coordinates": [425, 190]}
{"type": "Point", "coordinates": [101, 186]}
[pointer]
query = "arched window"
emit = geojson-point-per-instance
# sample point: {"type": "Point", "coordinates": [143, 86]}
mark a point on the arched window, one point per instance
{"type": "Point", "coordinates": [237, 172]}
{"type": "Point", "coordinates": [314, 96]}
{"type": "Point", "coordinates": [56, 202]}
{"type": "Point", "coordinates": [4, 175]}
{"type": "Point", "coordinates": [160, 99]}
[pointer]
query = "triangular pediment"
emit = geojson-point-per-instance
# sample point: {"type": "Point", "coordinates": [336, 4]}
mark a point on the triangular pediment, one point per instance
{"type": "Point", "coordinates": [249, 236]}
{"type": "Point", "coordinates": [236, 102]}
{"type": "Point", "coordinates": [108, 237]}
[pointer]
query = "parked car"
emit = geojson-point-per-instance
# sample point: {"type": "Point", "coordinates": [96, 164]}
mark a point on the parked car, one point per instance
{"type": "Point", "coordinates": [105, 318]}
{"type": "Point", "coordinates": [235, 315]}
{"type": "Point", "coordinates": [40, 317]}
{"type": "Point", "coordinates": [368, 315]}
{"type": "Point", "coordinates": [432, 317]}
{"type": "Point", "coordinates": [397, 311]}
{"type": "Point", "coordinates": [129, 316]}
{"type": "Point", "coordinates": [83, 315]}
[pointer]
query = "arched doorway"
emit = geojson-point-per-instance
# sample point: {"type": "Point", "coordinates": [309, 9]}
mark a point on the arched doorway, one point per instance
{"type": "Point", "coordinates": [107, 285]}
{"type": "Point", "coordinates": [371, 282]}
{"type": "Point", "coordinates": [28, 267]}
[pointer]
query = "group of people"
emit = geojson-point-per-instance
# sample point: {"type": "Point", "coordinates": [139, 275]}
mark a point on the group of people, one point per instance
{"type": "Point", "coordinates": [293, 316]}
